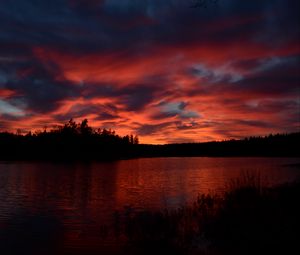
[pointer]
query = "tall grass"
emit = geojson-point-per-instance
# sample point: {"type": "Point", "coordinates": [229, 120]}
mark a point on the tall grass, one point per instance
{"type": "Point", "coordinates": [247, 180]}
{"type": "Point", "coordinates": [247, 219]}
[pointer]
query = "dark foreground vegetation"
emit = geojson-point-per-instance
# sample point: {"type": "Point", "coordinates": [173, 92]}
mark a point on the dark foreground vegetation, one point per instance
{"type": "Point", "coordinates": [78, 141]}
{"type": "Point", "coordinates": [245, 220]}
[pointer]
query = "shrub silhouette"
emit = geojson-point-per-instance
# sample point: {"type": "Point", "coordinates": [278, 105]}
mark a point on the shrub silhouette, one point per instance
{"type": "Point", "coordinates": [245, 220]}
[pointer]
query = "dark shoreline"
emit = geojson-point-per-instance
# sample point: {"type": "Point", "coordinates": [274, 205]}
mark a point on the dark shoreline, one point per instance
{"type": "Point", "coordinates": [82, 148]}
{"type": "Point", "coordinates": [79, 142]}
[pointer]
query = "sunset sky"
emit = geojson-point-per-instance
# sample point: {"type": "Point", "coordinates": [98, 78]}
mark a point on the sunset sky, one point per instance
{"type": "Point", "coordinates": [156, 68]}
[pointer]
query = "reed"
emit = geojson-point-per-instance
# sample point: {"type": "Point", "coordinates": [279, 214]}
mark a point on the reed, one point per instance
{"type": "Point", "coordinates": [247, 219]}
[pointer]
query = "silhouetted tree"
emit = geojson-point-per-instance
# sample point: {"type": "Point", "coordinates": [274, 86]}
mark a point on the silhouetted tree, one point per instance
{"type": "Point", "coordinates": [136, 140]}
{"type": "Point", "coordinates": [84, 128]}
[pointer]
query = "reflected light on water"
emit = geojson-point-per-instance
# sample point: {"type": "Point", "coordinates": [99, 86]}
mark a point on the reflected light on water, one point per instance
{"type": "Point", "coordinates": [76, 201]}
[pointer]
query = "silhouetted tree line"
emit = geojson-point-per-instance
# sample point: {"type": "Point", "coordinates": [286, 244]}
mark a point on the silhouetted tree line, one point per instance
{"type": "Point", "coordinates": [278, 145]}
{"type": "Point", "coordinates": [72, 141]}
{"type": "Point", "coordinates": [78, 141]}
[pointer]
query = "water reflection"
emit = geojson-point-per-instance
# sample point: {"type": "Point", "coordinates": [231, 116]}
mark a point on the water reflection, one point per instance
{"type": "Point", "coordinates": [31, 233]}
{"type": "Point", "coordinates": [70, 205]}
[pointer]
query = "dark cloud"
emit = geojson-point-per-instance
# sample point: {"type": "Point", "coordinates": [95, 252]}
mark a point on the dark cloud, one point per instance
{"type": "Point", "coordinates": [274, 77]}
{"type": "Point", "coordinates": [102, 112]}
{"type": "Point", "coordinates": [150, 129]}
{"type": "Point", "coordinates": [95, 26]}
{"type": "Point", "coordinates": [194, 125]}
{"type": "Point", "coordinates": [38, 88]}
{"type": "Point", "coordinates": [137, 97]}
{"type": "Point", "coordinates": [133, 97]}
{"type": "Point", "coordinates": [174, 109]}
{"type": "Point", "coordinates": [253, 123]}
{"type": "Point", "coordinates": [278, 78]}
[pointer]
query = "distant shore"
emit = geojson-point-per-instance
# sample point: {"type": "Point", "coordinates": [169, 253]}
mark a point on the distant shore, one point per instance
{"type": "Point", "coordinates": [90, 148]}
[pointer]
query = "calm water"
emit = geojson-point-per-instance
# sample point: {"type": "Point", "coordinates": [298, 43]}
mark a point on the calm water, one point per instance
{"type": "Point", "coordinates": [70, 203]}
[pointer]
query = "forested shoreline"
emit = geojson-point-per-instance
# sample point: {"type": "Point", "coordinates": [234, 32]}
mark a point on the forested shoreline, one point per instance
{"type": "Point", "coordinates": [78, 141]}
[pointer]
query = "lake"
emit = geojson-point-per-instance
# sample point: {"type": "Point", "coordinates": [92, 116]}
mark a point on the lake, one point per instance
{"type": "Point", "coordinates": [70, 204]}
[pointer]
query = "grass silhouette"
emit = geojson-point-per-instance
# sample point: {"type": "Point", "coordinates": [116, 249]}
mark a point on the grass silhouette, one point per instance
{"type": "Point", "coordinates": [247, 219]}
